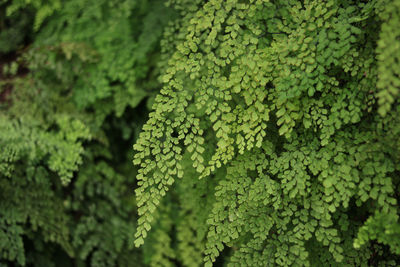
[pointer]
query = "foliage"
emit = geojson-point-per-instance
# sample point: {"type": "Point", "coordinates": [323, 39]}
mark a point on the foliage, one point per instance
{"type": "Point", "coordinates": [14, 29]}
{"type": "Point", "coordinates": [45, 199]}
{"type": "Point", "coordinates": [65, 104]}
{"type": "Point", "coordinates": [43, 9]}
{"type": "Point", "coordinates": [388, 57]}
{"type": "Point", "coordinates": [273, 137]}
{"type": "Point", "coordinates": [119, 54]}
{"type": "Point", "coordinates": [274, 102]}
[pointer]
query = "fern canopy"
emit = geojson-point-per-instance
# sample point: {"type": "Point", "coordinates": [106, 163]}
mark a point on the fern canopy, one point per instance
{"type": "Point", "coordinates": [284, 111]}
{"type": "Point", "coordinates": [264, 133]}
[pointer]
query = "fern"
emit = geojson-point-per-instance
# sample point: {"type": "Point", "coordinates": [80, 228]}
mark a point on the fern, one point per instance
{"type": "Point", "coordinates": [44, 9]}
{"type": "Point", "coordinates": [273, 101]}
{"type": "Point", "coordinates": [388, 57]}
{"type": "Point", "coordinates": [63, 180]}
{"type": "Point", "coordinates": [273, 137]}
{"type": "Point", "coordinates": [121, 51]}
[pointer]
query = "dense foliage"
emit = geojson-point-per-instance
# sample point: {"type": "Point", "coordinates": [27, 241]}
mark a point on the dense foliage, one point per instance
{"type": "Point", "coordinates": [73, 77]}
{"type": "Point", "coordinates": [273, 105]}
{"type": "Point", "coordinates": [269, 133]}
